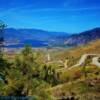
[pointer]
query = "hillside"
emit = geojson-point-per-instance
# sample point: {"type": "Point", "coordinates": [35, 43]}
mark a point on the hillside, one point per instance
{"type": "Point", "coordinates": [74, 54]}
{"type": "Point", "coordinates": [82, 82]}
{"type": "Point", "coordinates": [91, 47]}
{"type": "Point", "coordinates": [84, 37]}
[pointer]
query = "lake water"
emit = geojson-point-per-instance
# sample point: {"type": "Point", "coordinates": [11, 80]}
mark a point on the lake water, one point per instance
{"type": "Point", "coordinates": [34, 44]}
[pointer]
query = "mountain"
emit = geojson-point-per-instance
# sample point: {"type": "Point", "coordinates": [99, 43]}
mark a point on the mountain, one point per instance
{"type": "Point", "coordinates": [37, 37]}
{"type": "Point", "coordinates": [75, 53]}
{"type": "Point", "coordinates": [23, 36]}
{"type": "Point", "coordinates": [84, 37]}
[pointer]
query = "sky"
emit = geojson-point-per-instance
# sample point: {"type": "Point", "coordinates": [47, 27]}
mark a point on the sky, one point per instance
{"type": "Point", "coordinates": [70, 16]}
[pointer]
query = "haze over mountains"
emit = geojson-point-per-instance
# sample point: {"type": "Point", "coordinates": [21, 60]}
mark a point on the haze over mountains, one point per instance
{"type": "Point", "coordinates": [41, 38]}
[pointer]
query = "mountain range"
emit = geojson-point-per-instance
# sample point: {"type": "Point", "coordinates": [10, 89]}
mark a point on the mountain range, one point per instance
{"type": "Point", "coordinates": [83, 37]}
{"type": "Point", "coordinates": [37, 37]}
{"type": "Point", "coordinates": [34, 37]}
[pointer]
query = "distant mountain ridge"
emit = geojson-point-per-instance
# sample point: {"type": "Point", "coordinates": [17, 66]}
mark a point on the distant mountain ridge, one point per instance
{"type": "Point", "coordinates": [46, 38]}
{"type": "Point", "coordinates": [21, 36]}
{"type": "Point", "coordinates": [84, 37]}
{"type": "Point", "coordinates": [31, 33]}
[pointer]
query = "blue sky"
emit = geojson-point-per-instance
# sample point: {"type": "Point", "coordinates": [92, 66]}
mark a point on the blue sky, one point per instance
{"type": "Point", "coordinates": [53, 15]}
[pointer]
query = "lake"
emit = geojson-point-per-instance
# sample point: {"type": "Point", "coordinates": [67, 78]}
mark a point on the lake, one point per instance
{"type": "Point", "coordinates": [34, 44]}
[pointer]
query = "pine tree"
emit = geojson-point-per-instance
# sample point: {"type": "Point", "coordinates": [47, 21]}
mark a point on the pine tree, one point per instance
{"type": "Point", "coordinates": [2, 27]}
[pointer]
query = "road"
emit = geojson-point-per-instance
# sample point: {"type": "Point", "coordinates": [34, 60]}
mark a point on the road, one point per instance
{"type": "Point", "coordinates": [95, 61]}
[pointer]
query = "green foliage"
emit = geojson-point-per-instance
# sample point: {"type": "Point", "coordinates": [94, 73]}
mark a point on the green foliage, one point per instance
{"type": "Point", "coordinates": [22, 77]}
{"type": "Point", "coordinates": [27, 75]}
{"type": "Point", "coordinates": [26, 61]}
{"type": "Point", "coordinates": [49, 75]}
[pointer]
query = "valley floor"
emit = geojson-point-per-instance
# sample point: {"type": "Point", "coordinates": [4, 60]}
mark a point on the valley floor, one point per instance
{"type": "Point", "coordinates": [52, 74]}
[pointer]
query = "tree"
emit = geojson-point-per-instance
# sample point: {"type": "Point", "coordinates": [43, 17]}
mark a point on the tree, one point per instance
{"type": "Point", "coordinates": [49, 75]}
{"type": "Point", "coordinates": [2, 27]}
{"type": "Point", "coordinates": [26, 62]}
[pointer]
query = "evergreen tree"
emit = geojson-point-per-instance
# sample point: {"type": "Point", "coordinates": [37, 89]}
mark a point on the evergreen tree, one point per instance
{"type": "Point", "coordinates": [2, 27]}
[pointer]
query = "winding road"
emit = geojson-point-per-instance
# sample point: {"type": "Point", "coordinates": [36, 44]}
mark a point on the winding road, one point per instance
{"type": "Point", "coordinates": [95, 61]}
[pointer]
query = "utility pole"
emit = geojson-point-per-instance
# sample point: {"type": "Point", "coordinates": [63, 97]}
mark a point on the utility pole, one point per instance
{"type": "Point", "coordinates": [48, 57]}
{"type": "Point", "coordinates": [65, 63]}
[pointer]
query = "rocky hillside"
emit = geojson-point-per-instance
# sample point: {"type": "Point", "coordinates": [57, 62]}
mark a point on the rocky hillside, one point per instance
{"type": "Point", "coordinates": [84, 37]}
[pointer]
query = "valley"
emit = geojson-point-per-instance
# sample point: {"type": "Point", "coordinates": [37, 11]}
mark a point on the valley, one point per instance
{"type": "Point", "coordinates": [49, 49]}
{"type": "Point", "coordinates": [47, 70]}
